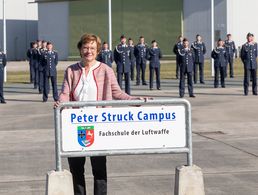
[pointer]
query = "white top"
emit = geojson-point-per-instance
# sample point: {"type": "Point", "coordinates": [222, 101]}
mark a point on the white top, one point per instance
{"type": "Point", "coordinates": [86, 89]}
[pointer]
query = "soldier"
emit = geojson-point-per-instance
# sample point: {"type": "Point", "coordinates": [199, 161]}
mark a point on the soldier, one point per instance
{"type": "Point", "coordinates": [154, 57]}
{"type": "Point", "coordinates": [122, 57]}
{"type": "Point", "coordinates": [199, 49]}
{"type": "Point", "coordinates": [178, 46]}
{"type": "Point", "coordinates": [219, 55]}
{"type": "Point", "coordinates": [50, 61]}
{"type": "Point", "coordinates": [29, 55]}
{"type": "Point", "coordinates": [132, 59]}
{"type": "Point", "coordinates": [2, 66]}
{"type": "Point", "coordinates": [140, 53]}
{"type": "Point", "coordinates": [41, 51]}
{"type": "Point", "coordinates": [231, 50]}
{"type": "Point", "coordinates": [106, 56]}
{"type": "Point", "coordinates": [35, 64]}
{"type": "Point", "coordinates": [186, 68]}
{"type": "Point", "coordinates": [248, 57]}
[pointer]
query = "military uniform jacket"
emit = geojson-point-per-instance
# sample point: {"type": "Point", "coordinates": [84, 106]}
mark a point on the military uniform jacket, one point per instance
{"type": "Point", "coordinates": [41, 58]}
{"type": "Point", "coordinates": [34, 55]}
{"type": "Point", "coordinates": [141, 53]}
{"type": "Point", "coordinates": [2, 60]}
{"type": "Point", "coordinates": [186, 60]}
{"type": "Point", "coordinates": [230, 48]}
{"type": "Point", "coordinates": [29, 54]}
{"type": "Point", "coordinates": [50, 61]}
{"type": "Point", "coordinates": [219, 55]}
{"type": "Point", "coordinates": [154, 56]}
{"type": "Point", "coordinates": [106, 57]}
{"type": "Point", "coordinates": [199, 49]}
{"type": "Point", "coordinates": [122, 55]}
{"type": "Point", "coordinates": [177, 47]}
{"type": "Point", "coordinates": [132, 54]}
{"type": "Point", "coordinates": [249, 55]}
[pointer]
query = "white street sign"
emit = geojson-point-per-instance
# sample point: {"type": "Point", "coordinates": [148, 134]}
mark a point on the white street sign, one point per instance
{"type": "Point", "coordinates": [98, 129]}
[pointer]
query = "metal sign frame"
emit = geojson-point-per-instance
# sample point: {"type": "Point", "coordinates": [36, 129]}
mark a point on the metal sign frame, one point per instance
{"type": "Point", "coordinates": [177, 102]}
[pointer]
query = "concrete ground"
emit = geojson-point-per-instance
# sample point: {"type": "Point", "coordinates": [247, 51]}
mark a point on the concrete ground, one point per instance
{"type": "Point", "coordinates": [225, 144]}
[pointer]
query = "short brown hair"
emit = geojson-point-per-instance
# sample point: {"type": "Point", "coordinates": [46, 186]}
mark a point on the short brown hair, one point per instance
{"type": "Point", "coordinates": [87, 38]}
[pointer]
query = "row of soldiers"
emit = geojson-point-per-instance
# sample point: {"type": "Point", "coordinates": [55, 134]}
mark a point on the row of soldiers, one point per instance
{"type": "Point", "coordinates": [126, 56]}
{"type": "Point", "coordinates": [189, 58]}
{"type": "Point", "coordinates": [43, 61]}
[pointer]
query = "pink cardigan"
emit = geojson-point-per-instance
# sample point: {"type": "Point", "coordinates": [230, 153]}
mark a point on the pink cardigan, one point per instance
{"type": "Point", "coordinates": [107, 86]}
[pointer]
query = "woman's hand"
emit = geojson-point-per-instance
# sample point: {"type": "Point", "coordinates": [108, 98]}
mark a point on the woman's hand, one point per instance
{"type": "Point", "coordinates": [56, 104]}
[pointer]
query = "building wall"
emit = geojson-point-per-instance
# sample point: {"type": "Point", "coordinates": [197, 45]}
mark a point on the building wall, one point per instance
{"type": "Point", "coordinates": [159, 20]}
{"type": "Point", "coordinates": [21, 27]}
{"type": "Point", "coordinates": [241, 19]}
{"type": "Point", "coordinates": [53, 25]}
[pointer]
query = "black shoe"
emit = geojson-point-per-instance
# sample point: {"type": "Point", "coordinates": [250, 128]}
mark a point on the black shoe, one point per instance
{"type": "Point", "coordinates": [246, 94]}
{"type": "Point", "coordinates": [231, 76]}
{"type": "Point", "coordinates": [144, 83]}
{"type": "Point", "coordinates": [158, 88]}
{"type": "Point", "coordinates": [151, 89]}
{"type": "Point", "coordinates": [223, 86]}
{"type": "Point", "coordinates": [202, 82]}
{"type": "Point", "coordinates": [181, 96]}
{"type": "Point", "coordinates": [192, 96]}
{"type": "Point", "coordinates": [3, 102]}
{"type": "Point", "coordinates": [215, 86]}
{"type": "Point", "coordinates": [254, 93]}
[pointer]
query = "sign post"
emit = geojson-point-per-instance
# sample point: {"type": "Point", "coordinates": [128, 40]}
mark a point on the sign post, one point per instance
{"type": "Point", "coordinates": [158, 126]}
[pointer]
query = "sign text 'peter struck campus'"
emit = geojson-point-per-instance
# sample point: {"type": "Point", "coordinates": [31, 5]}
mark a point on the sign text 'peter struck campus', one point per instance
{"type": "Point", "coordinates": [123, 128]}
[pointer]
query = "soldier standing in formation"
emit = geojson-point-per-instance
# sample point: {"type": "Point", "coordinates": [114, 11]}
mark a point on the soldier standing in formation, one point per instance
{"type": "Point", "coordinates": [141, 52]}
{"type": "Point", "coordinates": [35, 64]}
{"type": "Point", "coordinates": [29, 53]}
{"type": "Point", "coordinates": [199, 49]}
{"type": "Point", "coordinates": [186, 68]}
{"type": "Point", "coordinates": [50, 61]}
{"type": "Point", "coordinates": [41, 52]}
{"type": "Point", "coordinates": [106, 55]}
{"type": "Point", "coordinates": [132, 59]}
{"type": "Point", "coordinates": [248, 57]}
{"type": "Point", "coordinates": [219, 55]}
{"type": "Point", "coordinates": [154, 57]}
{"type": "Point", "coordinates": [177, 47]}
{"type": "Point", "coordinates": [122, 55]}
{"type": "Point", "coordinates": [2, 66]}
{"type": "Point", "coordinates": [231, 50]}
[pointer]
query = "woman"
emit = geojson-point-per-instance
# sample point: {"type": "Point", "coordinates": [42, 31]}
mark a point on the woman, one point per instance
{"type": "Point", "coordinates": [154, 57]}
{"type": "Point", "coordinates": [90, 80]}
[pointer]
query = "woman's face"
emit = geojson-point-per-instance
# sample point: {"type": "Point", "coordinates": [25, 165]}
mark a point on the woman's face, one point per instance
{"type": "Point", "coordinates": [89, 51]}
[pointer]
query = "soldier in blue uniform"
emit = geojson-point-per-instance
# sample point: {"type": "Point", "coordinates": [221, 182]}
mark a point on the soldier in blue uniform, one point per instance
{"type": "Point", "coordinates": [231, 50]}
{"type": "Point", "coordinates": [248, 57]}
{"type": "Point", "coordinates": [186, 68]}
{"type": "Point", "coordinates": [131, 46]}
{"type": "Point", "coordinates": [106, 55]}
{"type": "Point", "coordinates": [154, 56]}
{"type": "Point", "coordinates": [29, 55]}
{"type": "Point", "coordinates": [140, 53]}
{"type": "Point", "coordinates": [199, 49]}
{"type": "Point", "coordinates": [50, 61]}
{"type": "Point", "coordinates": [122, 55]}
{"type": "Point", "coordinates": [35, 64]}
{"type": "Point", "coordinates": [219, 54]}
{"type": "Point", "coordinates": [41, 52]}
{"type": "Point", "coordinates": [2, 66]}
{"type": "Point", "coordinates": [177, 47]}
